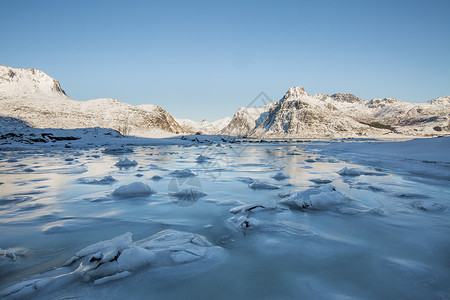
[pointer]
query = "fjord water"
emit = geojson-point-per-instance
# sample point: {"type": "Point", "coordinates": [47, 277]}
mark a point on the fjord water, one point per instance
{"type": "Point", "coordinates": [387, 245]}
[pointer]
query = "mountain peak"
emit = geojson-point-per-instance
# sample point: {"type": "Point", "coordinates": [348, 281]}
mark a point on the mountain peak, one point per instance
{"type": "Point", "coordinates": [346, 97]}
{"type": "Point", "coordinates": [26, 83]}
{"type": "Point", "coordinates": [295, 92]}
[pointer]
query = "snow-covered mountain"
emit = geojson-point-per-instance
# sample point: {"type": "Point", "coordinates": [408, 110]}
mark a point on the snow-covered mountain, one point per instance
{"type": "Point", "coordinates": [36, 98]}
{"type": "Point", "coordinates": [204, 126]}
{"type": "Point", "coordinates": [245, 120]}
{"type": "Point", "coordinates": [298, 114]}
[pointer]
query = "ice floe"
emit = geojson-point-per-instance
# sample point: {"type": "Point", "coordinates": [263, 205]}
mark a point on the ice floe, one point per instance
{"type": "Point", "coordinates": [183, 173]}
{"type": "Point", "coordinates": [322, 197]}
{"type": "Point", "coordinates": [190, 194]}
{"type": "Point", "coordinates": [261, 185]}
{"type": "Point", "coordinates": [126, 163]}
{"type": "Point", "coordinates": [280, 176]}
{"type": "Point", "coordinates": [134, 189]}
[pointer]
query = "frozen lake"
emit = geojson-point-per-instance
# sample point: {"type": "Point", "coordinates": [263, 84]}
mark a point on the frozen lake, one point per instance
{"type": "Point", "coordinates": [379, 229]}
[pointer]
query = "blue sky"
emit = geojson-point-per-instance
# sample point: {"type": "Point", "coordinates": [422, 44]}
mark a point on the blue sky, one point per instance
{"type": "Point", "coordinates": [205, 59]}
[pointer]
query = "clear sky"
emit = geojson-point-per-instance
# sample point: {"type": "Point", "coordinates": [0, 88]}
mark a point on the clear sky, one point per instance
{"type": "Point", "coordinates": [205, 59]}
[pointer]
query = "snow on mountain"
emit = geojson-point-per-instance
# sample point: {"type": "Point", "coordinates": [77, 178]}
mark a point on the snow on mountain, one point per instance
{"type": "Point", "coordinates": [341, 115]}
{"type": "Point", "coordinates": [22, 83]}
{"type": "Point", "coordinates": [37, 99]}
{"type": "Point", "coordinates": [245, 120]}
{"type": "Point", "coordinates": [204, 127]}
{"type": "Point", "coordinates": [221, 123]}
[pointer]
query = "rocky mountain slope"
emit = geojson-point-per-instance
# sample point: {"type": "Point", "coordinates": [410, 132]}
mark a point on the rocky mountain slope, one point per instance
{"type": "Point", "coordinates": [37, 99]}
{"type": "Point", "coordinates": [341, 115]}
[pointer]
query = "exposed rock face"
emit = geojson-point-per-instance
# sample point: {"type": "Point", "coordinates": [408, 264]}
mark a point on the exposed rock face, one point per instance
{"type": "Point", "coordinates": [36, 98]}
{"type": "Point", "coordinates": [245, 120]}
{"type": "Point", "coordinates": [345, 97]}
{"type": "Point", "coordinates": [300, 115]}
{"type": "Point", "coordinates": [341, 115]}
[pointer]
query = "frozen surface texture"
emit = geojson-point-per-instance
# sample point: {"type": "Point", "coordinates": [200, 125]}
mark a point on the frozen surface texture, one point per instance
{"type": "Point", "coordinates": [118, 258]}
{"type": "Point", "coordinates": [205, 217]}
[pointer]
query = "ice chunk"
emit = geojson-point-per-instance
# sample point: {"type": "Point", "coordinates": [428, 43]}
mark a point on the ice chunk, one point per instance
{"type": "Point", "coordinates": [202, 158]}
{"type": "Point", "coordinates": [280, 176]}
{"type": "Point", "coordinates": [350, 172]}
{"type": "Point", "coordinates": [320, 181]}
{"type": "Point", "coordinates": [183, 173]}
{"type": "Point", "coordinates": [246, 180]}
{"type": "Point", "coordinates": [156, 177]}
{"type": "Point", "coordinates": [119, 258]}
{"type": "Point", "coordinates": [294, 153]}
{"type": "Point", "coordinates": [261, 185]}
{"type": "Point", "coordinates": [355, 172]}
{"type": "Point", "coordinates": [135, 257]}
{"type": "Point", "coordinates": [322, 197]}
{"type": "Point", "coordinates": [114, 245]}
{"type": "Point", "coordinates": [126, 163]}
{"type": "Point", "coordinates": [12, 253]}
{"type": "Point", "coordinates": [190, 194]}
{"type": "Point", "coordinates": [134, 189]}
{"type": "Point", "coordinates": [97, 180]}
{"type": "Point", "coordinates": [118, 150]}
{"type": "Point", "coordinates": [429, 206]}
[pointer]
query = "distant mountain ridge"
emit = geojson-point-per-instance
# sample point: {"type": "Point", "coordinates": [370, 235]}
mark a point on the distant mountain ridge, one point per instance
{"type": "Point", "coordinates": [341, 115]}
{"type": "Point", "coordinates": [38, 99]}
{"type": "Point", "coordinates": [204, 126]}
